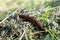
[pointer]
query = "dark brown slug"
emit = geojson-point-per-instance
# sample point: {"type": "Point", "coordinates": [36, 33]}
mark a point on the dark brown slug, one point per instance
{"type": "Point", "coordinates": [31, 19]}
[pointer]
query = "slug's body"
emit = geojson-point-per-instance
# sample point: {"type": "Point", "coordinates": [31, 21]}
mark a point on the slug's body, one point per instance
{"type": "Point", "coordinates": [30, 19]}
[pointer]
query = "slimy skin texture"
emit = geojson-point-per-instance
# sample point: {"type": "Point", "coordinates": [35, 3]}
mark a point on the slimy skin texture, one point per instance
{"type": "Point", "coordinates": [32, 20]}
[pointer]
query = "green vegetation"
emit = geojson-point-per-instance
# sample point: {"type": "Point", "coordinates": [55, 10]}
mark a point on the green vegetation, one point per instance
{"type": "Point", "coordinates": [46, 12]}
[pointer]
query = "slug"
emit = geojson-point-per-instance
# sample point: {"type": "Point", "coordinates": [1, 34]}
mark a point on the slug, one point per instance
{"type": "Point", "coordinates": [32, 20]}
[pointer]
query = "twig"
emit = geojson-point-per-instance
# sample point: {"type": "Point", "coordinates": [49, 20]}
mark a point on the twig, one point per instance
{"type": "Point", "coordinates": [23, 33]}
{"type": "Point", "coordinates": [52, 8]}
{"type": "Point", "coordinates": [38, 32]}
{"type": "Point", "coordinates": [26, 36]}
{"type": "Point", "coordinates": [22, 36]}
{"type": "Point", "coordinates": [9, 15]}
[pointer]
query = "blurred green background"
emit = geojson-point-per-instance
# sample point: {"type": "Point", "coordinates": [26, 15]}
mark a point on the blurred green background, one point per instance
{"type": "Point", "coordinates": [8, 6]}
